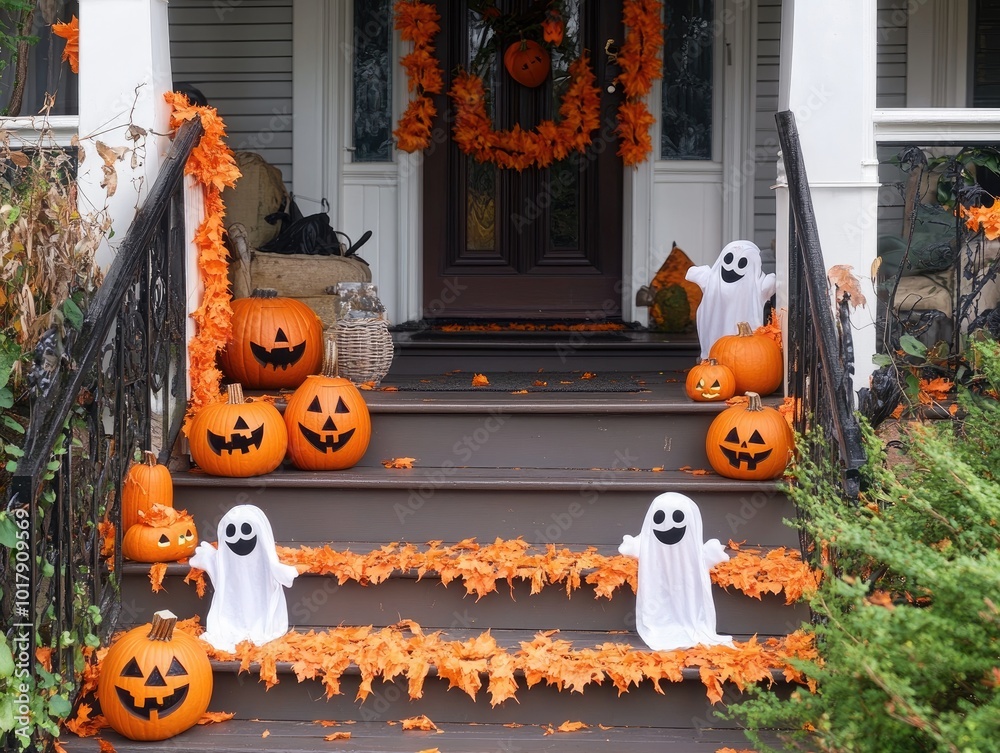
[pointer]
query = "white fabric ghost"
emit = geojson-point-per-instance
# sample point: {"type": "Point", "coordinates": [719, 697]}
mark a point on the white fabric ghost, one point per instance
{"type": "Point", "coordinates": [248, 579]}
{"type": "Point", "coordinates": [734, 291]}
{"type": "Point", "coordinates": [673, 601]}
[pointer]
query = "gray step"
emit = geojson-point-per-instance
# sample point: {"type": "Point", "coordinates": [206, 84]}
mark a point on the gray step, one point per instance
{"type": "Point", "coordinates": [571, 507]}
{"type": "Point", "coordinates": [239, 736]}
{"type": "Point", "coordinates": [318, 601]}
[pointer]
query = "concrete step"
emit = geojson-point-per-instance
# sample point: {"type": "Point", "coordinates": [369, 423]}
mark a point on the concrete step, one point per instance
{"type": "Point", "coordinates": [239, 736]}
{"type": "Point", "coordinates": [579, 506]}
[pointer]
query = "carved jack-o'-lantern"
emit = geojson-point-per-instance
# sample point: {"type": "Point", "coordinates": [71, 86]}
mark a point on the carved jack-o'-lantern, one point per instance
{"type": "Point", "coordinates": [275, 342]}
{"type": "Point", "coordinates": [328, 423]}
{"type": "Point", "coordinates": [527, 62]}
{"type": "Point", "coordinates": [161, 535]}
{"type": "Point", "coordinates": [238, 438]}
{"type": "Point", "coordinates": [155, 683]}
{"type": "Point", "coordinates": [749, 441]}
{"type": "Point", "coordinates": [710, 381]}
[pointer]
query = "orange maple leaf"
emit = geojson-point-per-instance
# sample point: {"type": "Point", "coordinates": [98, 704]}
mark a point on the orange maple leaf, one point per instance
{"type": "Point", "coordinates": [338, 736]}
{"type": "Point", "coordinates": [106, 747]}
{"type": "Point", "coordinates": [480, 380]}
{"type": "Point", "coordinates": [934, 390]}
{"type": "Point", "coordinates": [399, 463]}
{"type": "Point", "coordinates": [197, 577]}
{"type": "Point", "coordinates": [214, 717]}
{"type": "Point", "coordinates": [157, 572]}
{"type": "Point", "coordinates": [419, 722]}
{"type": "Point", "coordinates": [569, 726]}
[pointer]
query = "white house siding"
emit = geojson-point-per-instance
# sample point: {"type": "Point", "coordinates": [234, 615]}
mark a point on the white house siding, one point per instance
{"type": "Point", "coordinates": [239, 54]}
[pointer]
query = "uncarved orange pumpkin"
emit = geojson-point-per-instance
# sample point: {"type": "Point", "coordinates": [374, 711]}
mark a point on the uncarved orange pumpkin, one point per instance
{"type": "Point", "coordinates": [755, 360]}
{"type": "Point", "coordinates": [155, 683]}
{"type": "Point", "coordinates": [238, 438]}
{"type": "Point", "coordinates": [275, 342]}
{"type": "Point", "coordinates": [749, 441]}
{"type": "Point", "coordinates": [527, 62]}
{"type": "Point", "coordinates": [327, 419]}
{"type": "Point", "coordinates": [165, 535]}
{"type": "Point", "coordinates": [146, 484]}
{"type": "Point", "coordinates": [710, 381]}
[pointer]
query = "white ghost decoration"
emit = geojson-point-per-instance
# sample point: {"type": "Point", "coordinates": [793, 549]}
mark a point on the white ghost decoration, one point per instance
{"type": "Point", "coordinates": [673, 601]}
{"type": "Point", "coordinates": [248, 579]}
{"type": "Point", "coordinates": [735, 290]}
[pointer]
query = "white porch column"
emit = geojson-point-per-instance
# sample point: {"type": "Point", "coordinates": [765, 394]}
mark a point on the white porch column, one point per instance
{"type": "Point", "coordinates": [124, 72]}
{"type": "Point", "coordinates": [828, 80]}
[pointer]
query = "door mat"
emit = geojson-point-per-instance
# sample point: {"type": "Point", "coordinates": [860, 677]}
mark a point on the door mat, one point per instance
{"type": "Point", "coordinates": [517, 381]}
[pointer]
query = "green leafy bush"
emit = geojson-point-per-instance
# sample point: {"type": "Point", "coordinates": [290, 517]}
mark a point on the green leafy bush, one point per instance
{"type": "Point", "coordinates": [908, 616]}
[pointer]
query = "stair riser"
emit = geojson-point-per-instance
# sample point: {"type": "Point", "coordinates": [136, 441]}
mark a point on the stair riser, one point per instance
{"type": "Point", "coordinates": [317, 602]}
{"type": "Point", "coordinates": [587, 516]}
{"type": "Point", "coordinates": [682, 705]}
{"type": "Point", "coordinates": [498, 439]}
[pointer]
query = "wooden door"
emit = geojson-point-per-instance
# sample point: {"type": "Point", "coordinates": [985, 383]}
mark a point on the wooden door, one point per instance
{"type": "Point", "coordinates": [536, 244]}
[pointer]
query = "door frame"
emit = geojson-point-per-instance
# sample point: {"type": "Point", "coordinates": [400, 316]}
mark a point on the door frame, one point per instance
{"type": "Point", "coordinates": [321, 87]}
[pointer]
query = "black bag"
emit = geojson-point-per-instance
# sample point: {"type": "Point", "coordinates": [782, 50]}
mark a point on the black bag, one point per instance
{"type": "Point", "coordinates": [309, 235]}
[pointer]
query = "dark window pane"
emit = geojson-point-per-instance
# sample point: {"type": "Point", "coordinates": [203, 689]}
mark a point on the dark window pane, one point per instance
{"type": "Point", "coordinates": [372, 81]}
{"type": "Point", "coordinates": [687, 80]}
{"type": "Point", "coordinates": [46, 73]}
{"type": "Point", "coordinates": [986, 73]}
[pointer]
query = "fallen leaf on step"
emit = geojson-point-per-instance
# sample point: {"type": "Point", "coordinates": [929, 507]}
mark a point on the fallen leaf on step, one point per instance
{"type": "Point", "coordinates": [57, 747]}
{"type": "Point", "coordinates": [370, 385]}
{"type": "Point", "coordinates": [338, 736]}
{"type": "Point", "coordinates": [733, 750]}
{"type": "Point", "coordinates": [326, 723]}
{"type": "Point", "coordinates": [106, 747]}
{"type": "Point", "coordinates": [429, 750]}
{"type": "Point", "coordinates": [601, 726]}
{"type": "Point", "coordinates": [419, 722]}
{"type": "Point", "coordinates": [480, 380]}
{"type": "Point", "coordinates": [519, 392]}
{"type": "Point", "coordinates": [588, 375]}
{"type": "Point", "coordinates": [513, 725]}
{"type": "Point", "coordinates": [266, 733]}
{"type": "Point", "coordinates": [540, 383]}
{"type": "Point", "coordinates": [389, 389]}
{"type": "Point", "coordinates": [569, 726]}
{"type": "Point", "coordinates": [694, 471]}
{"type": "Point", "coordinates": [214, 717]}
{"type": "Point", "coordinates": [399, 463]}
{"type": "Point", "coordinates": [656, 468]}
{"type": "Point", "coordinates": [157, 571]}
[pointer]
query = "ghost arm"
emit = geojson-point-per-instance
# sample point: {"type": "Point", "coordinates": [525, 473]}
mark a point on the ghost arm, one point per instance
{"type": "Point", "coordinates": [284, 574]}
{"type": "Point", "coordinates": [713, 552]}
{"type": "Point", "coordinates": [204, 559]}
{"type": "Point", "coordinates": [768, 283]}
{"type": "Point", "coordinates": [629, 546]}
{"type": "Point", "coordinates": [700, 276]}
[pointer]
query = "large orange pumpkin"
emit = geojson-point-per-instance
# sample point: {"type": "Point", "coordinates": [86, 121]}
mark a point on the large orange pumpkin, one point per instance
{"type": "Point", "coordinates": [155, 683]}
{"type": "Point", "coordinates": [527, 62]}
{"type": "Point", "coordinates": [238, 438]}
{"type": "Point", "coordinates": [328, 423]}
{"type": "Point", "coordinates": [710, 381]}
{"type": "Point", "coordinates": [749, 441]}
{"type": "Point", "coordinates": [146, 484]}
{"type": "Point", "coordinates": [755, 360]}
{"type": "Point", "coordinates": [162, 535]}
{"type": "Point", "coordinates": [275, 342]}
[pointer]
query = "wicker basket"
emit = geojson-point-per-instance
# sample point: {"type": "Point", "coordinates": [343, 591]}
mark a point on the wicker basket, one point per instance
{"type": "Point", "coordinates": [364, 349]}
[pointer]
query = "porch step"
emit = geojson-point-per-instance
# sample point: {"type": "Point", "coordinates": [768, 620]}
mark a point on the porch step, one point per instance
{"type": "Point", "coordinates": [239, 736]}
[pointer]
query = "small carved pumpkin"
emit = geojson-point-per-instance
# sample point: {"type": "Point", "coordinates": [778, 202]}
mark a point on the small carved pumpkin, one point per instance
{"type": "Point", "coordinates": [146, 484]}
{"type": "Point", "coordinates": [710, 381]}
{"type": "Point", "coordinates": [238, 438]}
{"type": "Point", "coordinates": [749, 441]}
{"type": "Point", "coordinates": [155, 683]}
{"type": "Point", "coordinates": [162, 535]}
{"type": "Point", "coordinates": [275, 342]}
{"type": "Point", "coordinates": [553, 28]}
{"type": "Point", "coordinates": [527, 62]}
{"type": "Point", "coordinates": [328, 423]}
{"type": "Point", "coordinates": [755, 360]}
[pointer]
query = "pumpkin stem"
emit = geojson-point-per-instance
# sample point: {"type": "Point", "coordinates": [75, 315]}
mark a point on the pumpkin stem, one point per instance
{"type": "Point", "coordinates": [743, 329]}
{"type": "Point", "coordinates": [710, 362]}
{"type": "Point", "coordinates": [264, 293]}
{"type": "Point", "coordinates": [753, 402]}
{"type": "Point", "coordinates": [162, 628]}
{"type": "Point", "coordinates": [235, 392]}
{"type": "Point", "coordinates": [149, 458]}
{"type": "Point", "coordinates": [330, 358]}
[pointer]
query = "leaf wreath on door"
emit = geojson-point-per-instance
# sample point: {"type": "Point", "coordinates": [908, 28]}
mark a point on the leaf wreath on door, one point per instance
{"type": "Point", "coordinates": [527, 40]}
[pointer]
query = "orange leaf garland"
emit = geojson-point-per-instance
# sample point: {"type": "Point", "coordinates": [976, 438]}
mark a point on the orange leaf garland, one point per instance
{"type": "Point", "coordinates": [639, 59]}
{"type": "Point", "coordinates": [70, 31]}
{"type": "Point", "coordinates": [418, 23]}
{"type": "Point", "coordinates": [213, 166]}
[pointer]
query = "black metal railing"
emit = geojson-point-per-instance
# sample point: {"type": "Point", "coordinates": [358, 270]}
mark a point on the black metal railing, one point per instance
{"type": "Point", "coordinates": [118, 386]}
{"type": "Point", "coordinates": [820, 346]}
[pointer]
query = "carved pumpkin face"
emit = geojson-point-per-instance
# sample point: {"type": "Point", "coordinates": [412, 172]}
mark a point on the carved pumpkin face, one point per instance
{"type": "Point", "coordinates": [328, 424]}
{"type": "Point", "coordinates": [275, 342]}
{"type": "Point", "coordinates": [155, 683]}
{"type": "Point", "coordinates": [710, 382]}
{"type": "Point", "coordinates": [749, 441]}
{"type": "Point", "coordinates": [166, 535]}
{"type": "Point", "coordinates": [552, 28]}
{"type": "Point", "coordinates": [527, 62]}
{"type": "Point", "coordinates": [238, 438]}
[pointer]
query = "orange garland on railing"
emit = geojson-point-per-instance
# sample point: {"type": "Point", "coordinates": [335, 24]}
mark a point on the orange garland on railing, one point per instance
{"type": "Point", "coordinates": [212, 164]}
{"type": "Point", "coordinates": [418, 23]}
{"type": "Point", "coordinates": [639, 59]}
{"type": "Point", "coordinates": [70, 31]}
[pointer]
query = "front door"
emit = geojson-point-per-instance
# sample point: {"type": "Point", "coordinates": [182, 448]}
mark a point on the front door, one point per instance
{"type": "Point", "coordinates": [540, 243]}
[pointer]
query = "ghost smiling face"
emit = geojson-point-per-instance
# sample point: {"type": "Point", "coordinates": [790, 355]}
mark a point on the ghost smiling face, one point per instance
{"type": "Point", "coordinates": [673, 604]}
